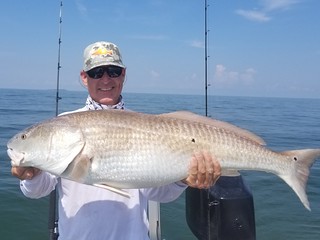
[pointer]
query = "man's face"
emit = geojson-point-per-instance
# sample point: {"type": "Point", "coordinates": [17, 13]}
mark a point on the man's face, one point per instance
{"type": "Point", "coordinates": [104, 83]}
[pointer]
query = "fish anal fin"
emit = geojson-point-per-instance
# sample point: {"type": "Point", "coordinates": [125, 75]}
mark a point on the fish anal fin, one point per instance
{"type": "Point", "coordinates": [113, 189]}
{"type": "Point", "coordinates": [189, 116]}
{"type": "Point", "coordinates": [229, 172]}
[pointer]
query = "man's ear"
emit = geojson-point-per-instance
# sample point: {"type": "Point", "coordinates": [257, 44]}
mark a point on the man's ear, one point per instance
{"type": "Point", "coordinates": [124, 72]}
{"type": "Point", "coordinates": [84, 78]}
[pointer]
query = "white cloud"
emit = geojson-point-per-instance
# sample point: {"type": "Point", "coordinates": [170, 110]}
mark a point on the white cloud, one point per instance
{"type": "Point", "coordinates": [81, 8]}
{"type": "Point", "coordinates": [253, 15]}
{"type": "Point", "coordinates": [219, 71]}
{"type": "Point", "coordinates": [229, 78]}
{"type": "Point", "coordinates": [197, 44]}
{"type": "Point", "coordinates": [271, 5]}
{"type": "Point", "coordinates": [267, 7]}
{"type": "Point", "coordinates": [247, 77]}
{"type": "Point", "coordinates": [154, 74]}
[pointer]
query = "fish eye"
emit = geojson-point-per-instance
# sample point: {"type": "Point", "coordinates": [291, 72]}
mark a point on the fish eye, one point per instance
{"type": "Point", "coordinates": [24, 136]}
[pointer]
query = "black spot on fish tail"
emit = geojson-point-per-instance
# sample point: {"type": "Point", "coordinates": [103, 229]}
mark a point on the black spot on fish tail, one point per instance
{"type": "Point", "coordinates": [298, 175]}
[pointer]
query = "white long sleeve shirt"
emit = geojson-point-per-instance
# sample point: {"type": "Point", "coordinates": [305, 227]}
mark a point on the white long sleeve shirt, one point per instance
{"type": "Point", "coordinates": [91, 213]}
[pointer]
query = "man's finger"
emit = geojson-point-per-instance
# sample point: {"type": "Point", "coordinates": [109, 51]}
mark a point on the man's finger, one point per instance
{"type": "Point", "coordinates": [201, 169]}
{"type": "Point", "coordinates": [210, 168]}
{"type": "Point", "coordinates": [193, 172]}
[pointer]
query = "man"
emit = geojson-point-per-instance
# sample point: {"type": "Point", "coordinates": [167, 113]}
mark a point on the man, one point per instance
{"type": "Point", "coordinates": [88, 212]}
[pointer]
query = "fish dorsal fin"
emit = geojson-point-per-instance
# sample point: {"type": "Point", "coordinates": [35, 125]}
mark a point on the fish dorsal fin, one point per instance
{"type": "Point", "coordinates": [189, 116]}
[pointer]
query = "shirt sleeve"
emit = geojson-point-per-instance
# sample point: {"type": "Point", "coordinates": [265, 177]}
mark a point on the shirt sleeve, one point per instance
{"type": "Point", "coordinates": [165, 193]}
{"type": "Point", "coordinates": [39, 186]}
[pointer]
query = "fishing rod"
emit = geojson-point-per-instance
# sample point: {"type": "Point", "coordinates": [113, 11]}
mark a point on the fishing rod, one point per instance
{"type": "Point", "coordinates": [53, 216]}
{"type": "Point", "coordinates": [206, 56]}
{"type": "Point", "coordinates": [216, 214]}
{"type": "Point", "coordinates": [59, 66]}
{"type": "Point", "coordinates": [209, 205]}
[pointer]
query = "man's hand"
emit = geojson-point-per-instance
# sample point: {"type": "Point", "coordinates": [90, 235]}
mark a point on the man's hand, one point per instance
{"type": "Point", "coordinates": [204, 171]}
{"type": "Point", "coordinates": [24, 173]}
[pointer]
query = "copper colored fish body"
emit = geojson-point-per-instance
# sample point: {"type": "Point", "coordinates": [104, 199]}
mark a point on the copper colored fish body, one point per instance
{"type": "Point", "coordinates": [122, 149]}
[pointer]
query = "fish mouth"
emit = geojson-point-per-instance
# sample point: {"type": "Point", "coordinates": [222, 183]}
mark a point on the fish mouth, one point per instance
{"type": "Point", "coordinates": [16, 157]}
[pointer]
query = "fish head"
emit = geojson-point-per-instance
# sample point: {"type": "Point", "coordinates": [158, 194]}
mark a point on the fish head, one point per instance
{"type": "Point", "coordinates": [50, 146]}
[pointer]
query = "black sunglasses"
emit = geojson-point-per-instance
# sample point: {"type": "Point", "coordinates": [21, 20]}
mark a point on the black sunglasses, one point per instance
{"type": "Point", "coordinates": [112, 71]}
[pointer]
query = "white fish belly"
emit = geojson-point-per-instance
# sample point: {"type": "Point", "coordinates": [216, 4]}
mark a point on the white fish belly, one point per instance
{"type": "Point", "coordinates": [136, 161]}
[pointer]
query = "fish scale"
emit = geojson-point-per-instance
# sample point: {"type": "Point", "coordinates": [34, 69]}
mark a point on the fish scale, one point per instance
{"type": "Point", "coordinates": [122, 149]}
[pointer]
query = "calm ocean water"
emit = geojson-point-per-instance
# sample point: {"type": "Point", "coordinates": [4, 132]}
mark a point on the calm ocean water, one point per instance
{"type": "Point", "coordinates": [283, 123]}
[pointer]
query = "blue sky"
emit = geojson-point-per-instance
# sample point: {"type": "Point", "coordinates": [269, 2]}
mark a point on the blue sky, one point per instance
{"type": "Point", "coordinates": [256, 47]}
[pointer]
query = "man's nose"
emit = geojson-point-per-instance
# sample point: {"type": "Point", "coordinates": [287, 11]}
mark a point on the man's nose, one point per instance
{"type": "Point", "coordinates": [105, 77]}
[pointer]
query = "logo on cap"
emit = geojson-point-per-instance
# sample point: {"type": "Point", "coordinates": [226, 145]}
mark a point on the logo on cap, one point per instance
{"type": "Point", "coordinates": [103, 51]}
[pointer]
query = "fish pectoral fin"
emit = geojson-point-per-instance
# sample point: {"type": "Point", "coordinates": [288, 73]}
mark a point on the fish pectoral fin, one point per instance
{"type": "Point", "coordinates": [229, 172]}
{"type": "Point", "coordinates": [113, 189]}
{"type": "Point", "coordinates": [78, 169]}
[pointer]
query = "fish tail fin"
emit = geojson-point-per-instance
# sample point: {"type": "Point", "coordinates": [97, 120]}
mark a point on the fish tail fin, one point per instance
{"type": "Point", "coordinates": [298, 177]}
